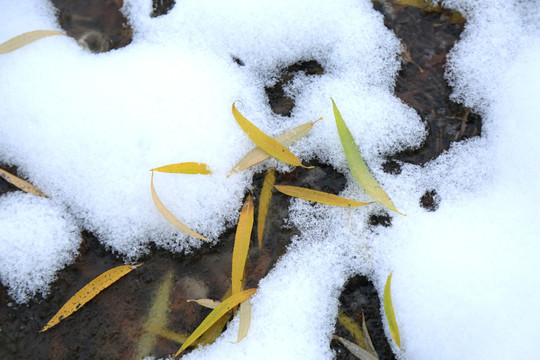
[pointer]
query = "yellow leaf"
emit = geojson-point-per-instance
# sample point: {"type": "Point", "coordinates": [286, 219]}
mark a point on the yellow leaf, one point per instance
{"type": "Point", "coordinates": [353, 328]}
{"type": "Point", "coordinates": [21, 184]}
{"type": "Point", "coordinates": [25, 39]}
{"type": "Point", "coordinates": [169, 216]}
{"type": "Point", "coordinates": [169, 335]}
{"type": "Point", "coordinates": [367, 339]}
{"type": "Point", "coordinates": [225, 306]}
{"type": "Point", "coordinates": [185, 168]}
{"type": "Point", "coordinates": [356, 350]}
{"type": "Point", "coordinates": [264, 203]}
{"type": "Point", "coordinates": [265, 142]}
{"type": "Point", "coordinates": [244, 321]}
{"type": "Point", "coordinates": [357, 165]}
{"type": "Point", "coordinates": [389, 311]}
{"type": "Point", "coordinates": [207, 303]}
{"type": "Point", "coordinates": [156, 319]}
{"type": "Point", "coordinates": [88, 292]}
{"type": "Point", "coordinates": [241, 245]}
{"type": "Point", "coordinates": [318, 196]}
{"type": "Point", "coordinates": [286, 139]}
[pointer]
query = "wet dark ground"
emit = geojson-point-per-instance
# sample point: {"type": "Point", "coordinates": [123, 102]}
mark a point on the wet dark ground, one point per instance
{"type": "Point", "coordinates": [109, 326]}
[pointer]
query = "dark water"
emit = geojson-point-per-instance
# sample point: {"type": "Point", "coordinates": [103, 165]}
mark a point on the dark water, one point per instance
{"type": "Point", "coordinates": [110, 325]}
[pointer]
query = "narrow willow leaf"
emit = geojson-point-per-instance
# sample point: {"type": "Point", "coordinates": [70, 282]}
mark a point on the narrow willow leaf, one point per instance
{"type": "Point", "coordinates": [24, 39]}
{"type": "Point", "coordinates": [356, 350]}
{"type": "Point", "coordinates": [88, 292]}
{"type": "Point", "coordinates": [169, 335]}
{"type": "Point", "coordinates": [21, 184]}
{"type": "Point", "coordinates": [389, 311]}
{"type": "Point", "coordinates": [216, 329]}
{"type": "Point", "coordinates": [357, 165]}
{"type": "Point", "coordinates": [286, 139]}
{"type": "Point", "coordinates": [353, 328]}
{"type": "Point", "coordinates": [367, 339]}
{"type": "Point", "coordinates": [207, 303]}
{"type": "Point", "coordinates": [241, 245]}
{"type": "Point", "coordinates": [318, 196]}
{"type": "Point", "coordinates": [265, 142]}
{"type": "Point", "coordinates": [169, 216]}
{"type": "Point", "coordinates": [185, 168]}
{"type": "Point", "coordinates": [214, 316]}
{"type": "Point", "coordinates": [244, 320]}
{"type": "Point", "coordinates": [157, 316]}
{"type": "Point", "coordinates": [264, 203]}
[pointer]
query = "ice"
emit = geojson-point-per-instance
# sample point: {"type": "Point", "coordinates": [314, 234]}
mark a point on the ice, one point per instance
{"type": "Point", "coordinates": [87, 128]}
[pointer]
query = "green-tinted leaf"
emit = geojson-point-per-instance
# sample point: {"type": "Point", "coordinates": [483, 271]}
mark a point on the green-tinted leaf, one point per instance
{"type": "Point", "coordinates": [353, 328]}
{"type": "Point", "coordinates": [225, 306]}
{"type": "Point", "coordinates": [356, 350]}
{"type": "Point", "coordinates": [264, 203]}
{"type": "Point", "coordinates": [318, 196]}
{"type": "Point", "coordinates": [24, 39]}
{"type": "Point", "coordinates": [286, 139]}
{"type": "Point", "coordinates": [265, 142]}
{"type": "Point", "coordinates": [21, 184]}
{"type": "Point", "coordinates": [185, 168]}
{"type": "Point", "coordinates": [156, 319]}
{"type": "Point", "coordinates": [241, 245]}
{"type": "Point", "coordinates": [389, 311]}
{"type": "Point", "coordinates": [169, 216]}
{"type": "Point", "coordinates": [357, 165]}
{"type": "Point", "coordinates": [88, 292]}
{"type": "Point", "coordinates": [367, 339]}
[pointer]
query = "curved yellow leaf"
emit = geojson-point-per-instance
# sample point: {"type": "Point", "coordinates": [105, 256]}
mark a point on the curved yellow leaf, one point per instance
{"type": "Point", "coordinates": [357, 165]}
{"type": "Point", "coordinates": [389, 311]}
{"type": "Point", "coordinates": [265, 142]}
{"type": "Point", "coordinates": [88, 292]}
{"type": "Point", "coordinates": [21, 184]}
{"type": "Point", "coordinates": [169, 216]}
{"type": "Point", "coordinates": [207, 303]}
{"type": "Point", "coordinates": [355, 330]}
{"type": "Point", "coordinates": [185, 168]}
{"type": "Point", "coordinates": [264, 203]}
{"type": "Point", "coordinates": [241, 245]}
{"type": "Point", "coordinates": [225, 306]}
{"type": "Point", "coordinates": [244, 320]}
{"type": "Point", "coordinates": [286, 139]}
{"type": "Point", "coordinates": [25, 39]}
{"type": "Point", "coordinates": [318, 196]}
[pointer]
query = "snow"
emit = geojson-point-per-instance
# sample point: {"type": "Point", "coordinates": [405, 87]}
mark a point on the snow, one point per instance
{"type": "Point", "coordinates": [87, 128]}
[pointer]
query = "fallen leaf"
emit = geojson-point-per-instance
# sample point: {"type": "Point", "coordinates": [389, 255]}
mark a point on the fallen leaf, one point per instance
{"type": "Point", "coordinates": [357, 165]}
{"type": "Point", "coordinates": [88, 292]}
{"type": "Point", "coordinates": [185, 168]}
{"type": "Point", "coordinates": [244, 320]}
{"type": "Point", "coordinates": [367, 339]}
{"type": "Point", "coordinates": [356, 350]}
{"type": "Point", "coordinates": [286, 139]}
{"type": "Point", "coordinates": [265, 142]}
{"type": "Point", "coordinates": [169, 216]}
{"type": "Point", "coordinates": [241, 245]}
{"type": "Point", "coordinates": [169, 335]}
{"type": "Point", "coordinates": [21, 184]}
{"type": "Point", "coordinates": [225, 306]}
{"type": "Point", "coordinates": [24, 39]}
{"type": "Point", "coordinates": [207, 303]}
{"type": "Point", "coordinates": [389, 311]}
{"type": "Point", "coordinates": [156, 319]}
{"type": "Point", "coordinates": [264, 203]}
{"type": "Point", "coordinates": [355, 330]}
{"type": "Point", "coordinates": [318, 196]}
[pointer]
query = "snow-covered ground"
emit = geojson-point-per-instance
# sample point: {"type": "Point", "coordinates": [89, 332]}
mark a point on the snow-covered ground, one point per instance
{"type": "Point", "coordinates": [86, 129]}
